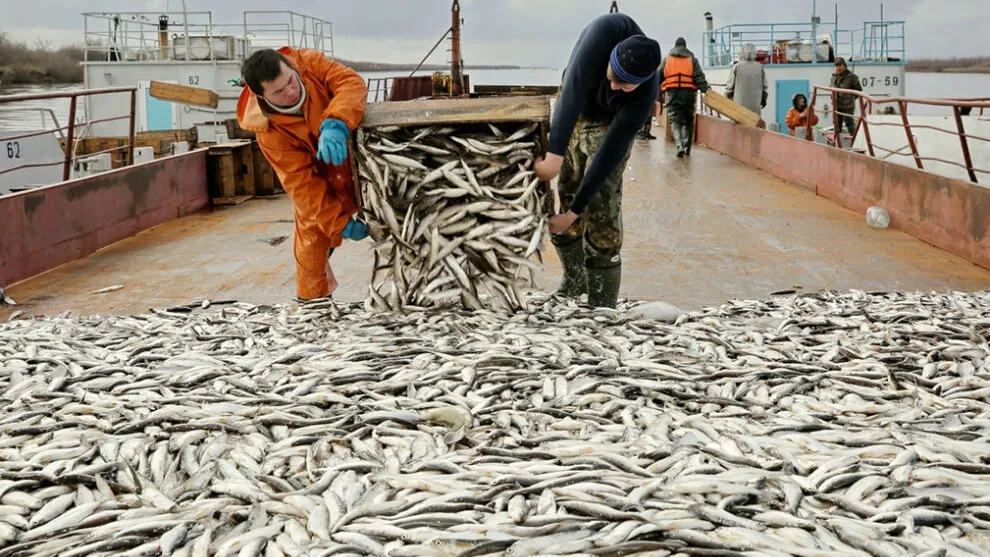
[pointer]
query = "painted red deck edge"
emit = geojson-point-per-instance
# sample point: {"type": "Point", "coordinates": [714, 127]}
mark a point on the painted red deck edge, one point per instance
{"type": "Point", "coordinates": [947, 213]}
{"type": "Point", "coordinates": [43, 228]}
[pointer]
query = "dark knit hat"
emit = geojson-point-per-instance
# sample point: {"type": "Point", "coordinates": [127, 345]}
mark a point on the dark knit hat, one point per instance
{"type": "Point", "coordinates": [636, 59]}
{"type": "Point", "coordinates": [680, 42]}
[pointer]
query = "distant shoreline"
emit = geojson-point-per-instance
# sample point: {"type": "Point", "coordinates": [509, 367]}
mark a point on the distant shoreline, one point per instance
{"type": "Point", "coordinates": [21, 64]}
{"type": "Point", "coordinates": [954, 71]}
{"type": "Point", "coordinates": [36, 76]}
{"type": "Point", "coordinates": [362, 66]}
{"type": "Point", "coordinates": [972, 65]}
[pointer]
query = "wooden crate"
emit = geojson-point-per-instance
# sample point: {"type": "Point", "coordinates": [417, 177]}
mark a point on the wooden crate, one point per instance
{"type": "Point", "coordinates": [160, 141]}
{"type": "Point", "coordinates": [428, 112]}
{"type": "Point", "coordinates": [230, 168]}
{"type": "Point", "coordinates": [235, 131]}
{"type": "Point", "coordinates": [265, 178]}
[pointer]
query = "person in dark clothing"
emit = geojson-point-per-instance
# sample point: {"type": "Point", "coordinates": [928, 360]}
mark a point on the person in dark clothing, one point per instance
{"type": "Point", "coordinates": [845, 103]}
{"type": "Point", "coordinates": [607, 94]}
{"type": "Point", "coordinates": [682, 79]}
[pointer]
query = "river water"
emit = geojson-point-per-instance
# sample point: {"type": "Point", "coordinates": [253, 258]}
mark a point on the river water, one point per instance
{"type": "Point", "coordinates": [925, 85]}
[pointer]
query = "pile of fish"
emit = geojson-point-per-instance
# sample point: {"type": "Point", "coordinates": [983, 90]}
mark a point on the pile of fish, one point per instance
{"type": "Point", "coordinates": [457, 213]}
{"type": "Point", "coordinates": [828, 424]}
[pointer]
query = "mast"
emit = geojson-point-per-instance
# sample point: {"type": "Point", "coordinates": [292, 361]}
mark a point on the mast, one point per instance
{"type": "Point", "coordinates": [456, 79]}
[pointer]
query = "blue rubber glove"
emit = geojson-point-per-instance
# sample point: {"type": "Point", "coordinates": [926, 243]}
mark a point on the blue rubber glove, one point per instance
{"type": "Point", "coordinates": [355, 230]}
{"type": "Point", "coordinates": [333, 142]}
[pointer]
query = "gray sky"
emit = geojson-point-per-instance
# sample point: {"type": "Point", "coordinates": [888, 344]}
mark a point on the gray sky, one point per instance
{"type": "Point", "coordinates": [527, 32]}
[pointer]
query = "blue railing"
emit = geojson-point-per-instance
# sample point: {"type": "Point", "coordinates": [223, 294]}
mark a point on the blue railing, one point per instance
{"type": "Point", "coordinates": [806, 43]}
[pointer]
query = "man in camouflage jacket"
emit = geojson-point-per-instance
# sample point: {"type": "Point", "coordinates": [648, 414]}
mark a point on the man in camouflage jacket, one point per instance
{"type": "Point", "coordinates": [845, 103]}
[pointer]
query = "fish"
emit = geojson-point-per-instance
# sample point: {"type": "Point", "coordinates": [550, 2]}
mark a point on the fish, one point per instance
{"type": "Point", "coordinates": [6, 300]}
{"type": "Point", "coordinates": [764, 426]}
{"type": "Point", "coordinates": [108, 289]}
{"type": "Point", "coordinates": [462, 205]}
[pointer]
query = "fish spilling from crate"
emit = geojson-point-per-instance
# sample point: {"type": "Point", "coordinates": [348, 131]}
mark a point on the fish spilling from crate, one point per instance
{"type": "Point", "coordinates": [456, 211]}
{"type": "Point", "coordinates": [832, 424]}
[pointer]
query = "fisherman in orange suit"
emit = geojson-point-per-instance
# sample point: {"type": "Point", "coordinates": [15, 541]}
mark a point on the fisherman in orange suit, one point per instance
{"type": "Point", "coordinates": [798, 115]}
{"type": "Point", "coordinates": [302, 107]}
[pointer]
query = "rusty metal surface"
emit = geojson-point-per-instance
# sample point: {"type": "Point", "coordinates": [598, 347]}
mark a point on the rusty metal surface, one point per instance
{"type": "Point", "coordinates": [698, 231]}
{"type": "Point", "coordinates": [416, 87]}
{"type": "Point", "coordinates": [46, 227]}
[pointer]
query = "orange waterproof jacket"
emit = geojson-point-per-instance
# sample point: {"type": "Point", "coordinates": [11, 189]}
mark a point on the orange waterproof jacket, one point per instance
{"type": "Point", "coordinates": [678, 73]}
{"type": "Point", "coordinates": [323, 195]}
{"type": "Point", "coordinates": [794, 119]}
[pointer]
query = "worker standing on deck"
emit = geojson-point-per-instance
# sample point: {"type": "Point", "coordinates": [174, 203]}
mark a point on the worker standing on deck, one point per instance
{"type": "Point", "coordinates": [747, 83]}
{"type": "Point", "coordinates": [845, 103]}
{"type": "Point", "coordinates": [682, 78]}
{"type": "Point", "coordinates": [607, 94]}
{"type": "Point", "coordinates": [302, 107]}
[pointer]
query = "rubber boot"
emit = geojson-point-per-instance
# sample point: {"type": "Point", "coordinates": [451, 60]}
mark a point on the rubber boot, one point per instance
{"type": "Point", "coordinates": [603, 284]}
{"type": "Point", "coordinates": [571, 254]}
{"type": "Point", "coordinates": [678, 140]}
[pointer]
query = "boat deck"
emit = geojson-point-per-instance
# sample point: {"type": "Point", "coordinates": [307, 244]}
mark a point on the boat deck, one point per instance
{"type": "Point", "coordinates": [698, 232]}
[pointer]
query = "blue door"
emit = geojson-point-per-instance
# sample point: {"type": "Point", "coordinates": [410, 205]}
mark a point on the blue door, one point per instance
{"type": "Point", "coordinates": [159, 113]}
{"type": "Point", "coordinates": [786, 89]}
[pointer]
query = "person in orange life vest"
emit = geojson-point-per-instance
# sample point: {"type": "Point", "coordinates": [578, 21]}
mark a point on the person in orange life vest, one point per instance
{"type": "Point", "coordinates": [797, 116]}
{"type": "Point", "coordinates": [682, 79]}
{"type": "Point", "coordinates": [302, 107]}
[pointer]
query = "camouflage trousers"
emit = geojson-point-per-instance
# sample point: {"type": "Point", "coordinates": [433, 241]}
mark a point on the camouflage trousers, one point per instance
{"type": "Point", "coordinates": [681, 107]}
{"type": "Point", "coordinates": [601, 222]}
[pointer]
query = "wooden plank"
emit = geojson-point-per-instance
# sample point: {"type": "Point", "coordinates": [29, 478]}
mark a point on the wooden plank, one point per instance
{"type": "Point", "coordinates": [516, 89]}
{"type": "Point", "coordinates": [457, 111]}
{"type": "Point", "coordinates": [184, 94]}
{"type": "Point", "coordinates": [176, 136]}
{"type": "Point", "coordinates": [228, 181]}
{"type": "Point", "coordinates": [233, 200]}
{"type": "Point", "coordinates": [730, 109]}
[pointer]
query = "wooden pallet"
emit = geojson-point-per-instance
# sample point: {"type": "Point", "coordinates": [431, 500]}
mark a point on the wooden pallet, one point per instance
{"type": "Point", "coordinates": [231, 171]}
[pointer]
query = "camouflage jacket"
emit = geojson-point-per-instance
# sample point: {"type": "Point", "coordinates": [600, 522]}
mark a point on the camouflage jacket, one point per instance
{"type": "Point", "coordinates": [846, 80]}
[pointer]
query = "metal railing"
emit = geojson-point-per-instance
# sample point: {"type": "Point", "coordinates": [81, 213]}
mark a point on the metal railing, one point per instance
{"type": "Point", "coordinates": [42, 112]}
{"type": "Point", "coordinates": [194, 35]}
{"type": "Point", "coordinates": [974, 99]}
{"type": "Point", "coordinates": [70, 129]}
{"type": "Point", "coordinates": [301, 31]}
{"type": "Point", "coordinates": [866, 106]}
{"type": "Point", "coordinates": [877, 42]}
